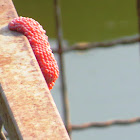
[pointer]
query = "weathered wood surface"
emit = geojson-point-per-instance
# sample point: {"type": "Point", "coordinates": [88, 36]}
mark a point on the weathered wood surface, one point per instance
{"type": "Point", "coordinates": [26, 105]}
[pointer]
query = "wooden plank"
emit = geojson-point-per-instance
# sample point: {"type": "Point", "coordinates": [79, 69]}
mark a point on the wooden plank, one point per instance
{"type": "Point", "coordinates": [26, 105]}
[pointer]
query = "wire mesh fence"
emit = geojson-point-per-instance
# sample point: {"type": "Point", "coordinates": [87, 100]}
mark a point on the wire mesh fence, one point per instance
{"type": "Point", "coordinates": [82, 47]}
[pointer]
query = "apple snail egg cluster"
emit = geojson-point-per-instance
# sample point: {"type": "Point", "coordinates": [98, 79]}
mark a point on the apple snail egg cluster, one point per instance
{"type": "Point", "coordinates": [40, 45]}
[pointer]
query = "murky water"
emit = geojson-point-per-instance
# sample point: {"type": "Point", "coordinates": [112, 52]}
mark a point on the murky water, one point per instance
{"type": "Point", "coordinates": [103, 84]}
{"type": "Point", "coordinates": [90, 20]}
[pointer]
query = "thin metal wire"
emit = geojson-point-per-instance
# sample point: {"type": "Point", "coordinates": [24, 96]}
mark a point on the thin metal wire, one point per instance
{"type": "Point", "coordinates": [106, 124]}
{"type": "Point", "coordinates": [61, 67]}
{"type": "Point", "coordinates": [2, 136]}
{"type": "Point", "coordinates": [93, 45]}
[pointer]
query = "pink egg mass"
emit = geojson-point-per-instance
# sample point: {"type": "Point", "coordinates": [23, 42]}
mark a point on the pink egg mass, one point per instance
{"type": "Point", "coordinates": [40, 45]}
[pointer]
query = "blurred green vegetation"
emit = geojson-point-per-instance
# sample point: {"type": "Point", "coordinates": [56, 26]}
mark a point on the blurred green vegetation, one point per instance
{"type": "Point", "coordinates": [90, 20]}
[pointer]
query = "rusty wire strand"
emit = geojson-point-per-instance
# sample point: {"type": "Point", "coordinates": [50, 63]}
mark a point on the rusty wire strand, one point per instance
{"type": "Point", "coordinates": [61, 67]}
{"type": "Point", "coordinates": [2, 136]}
{"type": "Point", "coordinates": [93, 45]}
{"type": "Point", "coordinates": [106, 124]}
